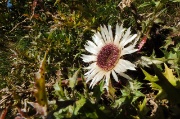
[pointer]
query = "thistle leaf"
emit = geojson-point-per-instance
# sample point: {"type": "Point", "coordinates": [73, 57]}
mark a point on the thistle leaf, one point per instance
{"type": "Point", "coordinates": [59, 90]}
{"type": "Point", "coordinates": [39, 91]}
{"type": "Point", "coordinates": [149, 77]}
{"type": "Point", "coordinates": [73, 79]}
{"type": "Point", "coordinates": [143, 109]}
{"type": "Point", "coordinates": [170, 77]}
{"type": "Point", "coordinates": [153, 79]}
{"type": "Point", "coordinates": [78, 105]}
{"type": "Point", "coordinates": [171, 91]}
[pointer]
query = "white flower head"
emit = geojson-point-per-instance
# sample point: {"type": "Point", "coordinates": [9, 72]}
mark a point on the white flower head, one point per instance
{"type": "Point", "coordinates": [106, 54]}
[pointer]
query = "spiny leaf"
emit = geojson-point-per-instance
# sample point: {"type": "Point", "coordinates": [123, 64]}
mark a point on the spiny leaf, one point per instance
{"type": "Point", "coordinates": [143, 109]}
{"type": "Point", "coordinates": [153, 79]}
{"type": "Point", "coordinates": [73, 79]}
{"type": "Point", "coordinates": [134, 87]}
{"type": "Point", "coordinates": [40, 92]}
{"type": "Point", "coordinates": [168, 42]}
{"type": "Point", "coordinates": [130, 94]}
{"type": "Point", "coordinates": [172, 92]}
{"type": "Point", "coordinates": [169, 75]}
{"type": "Point", "coordinates": [155, 82]}
{"type": "Point", "coordinates": [146, 61]}
{"type": "Point", "coordinates": [59, 90]}
{"type": "Point", "coordinates": [78, 105]}
{"type": "Point", "coordinates": [171, 78]}
{"type": "Point", "coordinates": [149, 77]}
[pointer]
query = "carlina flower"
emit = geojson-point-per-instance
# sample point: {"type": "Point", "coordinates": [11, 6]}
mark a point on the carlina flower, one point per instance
{"type": "Point", "coordinates": [105, 55]}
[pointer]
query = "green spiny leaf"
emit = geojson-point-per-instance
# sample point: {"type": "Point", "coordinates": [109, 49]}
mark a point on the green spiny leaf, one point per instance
{"type": "Point", "coordinates": [169, 75]}
{"type": "Point", "coordinates": [59, 90]}
{"type": "Point", "coordinates": [143, 109]}
{"type": "Point", "coordinates": [149, 77]}
{"type": "Point", "coordinates": [153, 79]}
{"type": "Point", "coordinates": [78, 105]}
{"type": "Point", "coordinates": [171, 91]}
{"type": "Point", "coordinates": [73, 79]}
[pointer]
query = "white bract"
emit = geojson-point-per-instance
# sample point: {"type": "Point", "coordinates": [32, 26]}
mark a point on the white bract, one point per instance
{"type": "Point", "coordinates": [105, 55]}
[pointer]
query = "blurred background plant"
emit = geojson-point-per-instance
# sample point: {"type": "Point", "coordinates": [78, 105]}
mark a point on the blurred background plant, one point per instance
{"type": "Point", "coordinates": [29, 28]}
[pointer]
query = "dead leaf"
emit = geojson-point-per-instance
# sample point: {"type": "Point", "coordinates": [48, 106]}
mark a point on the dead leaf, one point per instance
{"type": "Point", "coordinates": [42, 110]}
